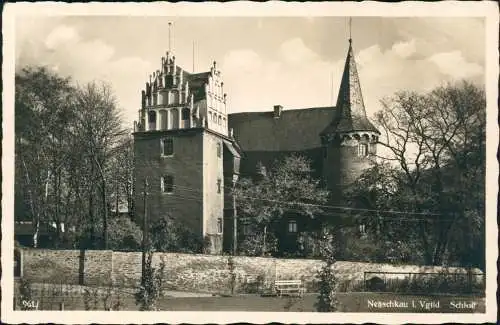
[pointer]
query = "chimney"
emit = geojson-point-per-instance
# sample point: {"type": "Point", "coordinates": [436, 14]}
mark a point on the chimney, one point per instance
{"type": "Point", "coordinates": [277, 111]}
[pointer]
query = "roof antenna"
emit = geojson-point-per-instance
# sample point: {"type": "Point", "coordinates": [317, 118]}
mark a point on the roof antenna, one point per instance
{"type": "Point", "coordinates": [169, 37]}
{"type": "Point", "coordinates": [193, 55]}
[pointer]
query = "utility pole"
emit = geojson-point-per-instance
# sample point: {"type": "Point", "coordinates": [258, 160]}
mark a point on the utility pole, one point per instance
{"type": "Point", "coordinates": [235, 221]}
{"type": "Point", "coordinates": [145, 230]}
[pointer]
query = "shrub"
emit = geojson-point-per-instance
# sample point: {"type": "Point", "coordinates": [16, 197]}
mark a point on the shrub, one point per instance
{"type": "Point", "coordinates": [124, 234]}
{"type": "Point", "coordinates": [253, 244]}
{"type": "Point", "coordinates": [169, 235]}
{"type": "Point", "coordinates": [232, 274]}
{"type": "Point", "coordinates": [90, 298]}
{"type": "Point", "coordinates": [151, 289]}
{"type": "Point", "coordinates": [327, 299]}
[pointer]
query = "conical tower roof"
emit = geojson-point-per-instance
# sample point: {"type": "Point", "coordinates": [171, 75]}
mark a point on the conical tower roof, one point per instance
{"type": "Point", "coordinates": [351, 114]}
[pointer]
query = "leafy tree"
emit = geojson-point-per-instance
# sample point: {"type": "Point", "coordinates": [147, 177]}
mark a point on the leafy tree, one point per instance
{"type": "Point", "coordinates": [43, 113]}
{"type": "Point", "coordinates": [288, 188]}
{"type": "Point", "coordinates": [66, 139]}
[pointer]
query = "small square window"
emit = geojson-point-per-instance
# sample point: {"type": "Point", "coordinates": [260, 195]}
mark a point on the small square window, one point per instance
{"type": "Point", "coordinates": [219, 185]}
{"type": "Point", "coordinates": [167, 184]}
{"type": "Point", "coordinates": [292, 226]}
{"type": "Point", "coordinates": [219, 225]}
{"type": "Point", "coordinates": [167, 147]}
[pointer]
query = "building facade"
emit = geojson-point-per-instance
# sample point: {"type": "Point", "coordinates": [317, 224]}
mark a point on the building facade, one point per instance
{"type": "Point", "coordinates": [179, 144]}
{"type": "Point", "coordinates": [192, 150]}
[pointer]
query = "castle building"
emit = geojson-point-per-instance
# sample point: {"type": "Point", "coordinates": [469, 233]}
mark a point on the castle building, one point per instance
{"type": "Point", "coordinates": [192, 151]}
{"type": "Point", "coordinates": [183, 150]}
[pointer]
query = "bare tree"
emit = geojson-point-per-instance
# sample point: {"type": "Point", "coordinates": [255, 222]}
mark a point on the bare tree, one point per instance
{"type": "Point", "coordinates": [437, 140]}
{"type": "Point", "coordinates": [99, 130]}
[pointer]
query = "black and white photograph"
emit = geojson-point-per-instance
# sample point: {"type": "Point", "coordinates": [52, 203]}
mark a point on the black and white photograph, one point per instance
{"type": "Point", "coordinates": [293, 163]}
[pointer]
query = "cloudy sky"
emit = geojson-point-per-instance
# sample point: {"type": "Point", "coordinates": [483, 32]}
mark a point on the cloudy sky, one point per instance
{"type": "Point", "coordinates": [292, 61]}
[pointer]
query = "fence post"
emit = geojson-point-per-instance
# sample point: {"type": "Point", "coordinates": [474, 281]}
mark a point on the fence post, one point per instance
{"type": "Point", "coordinates": [61, 305]}
{"type": "Point", "coordinates": [364, 281]}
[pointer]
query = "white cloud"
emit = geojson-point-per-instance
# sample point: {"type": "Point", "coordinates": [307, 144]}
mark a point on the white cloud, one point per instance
{"type": "Point", "coordinates": [61, 35]}
{"type": "Point", "coordinates": [65, 51]}
{"type": "Point", "coordinates": [244, 61]}
{"type": "Point", "coordinates": [405, 49]}
{"type": "Point", "coordinates": [255, 78]}
{"type": "Point", "coordinates": [294, 51]}
{"type": "Point", "coordinates": [455, 65]}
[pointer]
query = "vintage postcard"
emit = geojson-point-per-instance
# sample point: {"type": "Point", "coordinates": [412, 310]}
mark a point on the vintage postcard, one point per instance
{"type": "Point", "coordinates": [249, 162]}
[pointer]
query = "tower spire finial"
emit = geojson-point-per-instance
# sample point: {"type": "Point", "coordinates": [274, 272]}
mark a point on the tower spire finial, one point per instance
{"type": "Point", "coordinates": [350, 29]}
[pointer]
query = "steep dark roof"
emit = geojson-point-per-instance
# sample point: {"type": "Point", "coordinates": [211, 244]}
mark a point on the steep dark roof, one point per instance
{"type": "Point", "coordinates": [294, 130]}
{"type": "Point", "coordinates": [351, 108]}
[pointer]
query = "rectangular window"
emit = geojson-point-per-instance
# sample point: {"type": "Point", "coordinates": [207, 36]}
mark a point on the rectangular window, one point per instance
{"type": "Point", "coordinates": [292, 226]}
{"type": "Point", "coordinates": [167, 184]}
{"type": "Point", "coordinates": [219, 225]}
{"type": "Point", "coordinates": [219, 150]}
{"type": "Point", "coordinates": [363, 150]}
{"type": "Point", "coordinates": [167, 147]}
{"type": "Point", "coordinates": [219, 185]}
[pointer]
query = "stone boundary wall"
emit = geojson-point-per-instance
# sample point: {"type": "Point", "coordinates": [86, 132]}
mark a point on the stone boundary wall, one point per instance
{"type": "Point", "coordinates": [192, 272]}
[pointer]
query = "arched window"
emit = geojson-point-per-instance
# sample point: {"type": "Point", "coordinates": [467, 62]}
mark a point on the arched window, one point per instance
{"type": "Point", "coordinates": [185, 117]}
{"type": "Point", "coordinates": [152, 120]}
{"type": "Point", "coordinates": [185, 113]}
{"type": "Point", "coordinates": [174, 114]}
{"type": "Point", "coordinates": [173, 98]}
{"type": "Point", "coordinates": [220, 120]}
{"type": "Point", "coordinates": [163, 120]}
{"type": "Point", "coordinates": [363, 150]}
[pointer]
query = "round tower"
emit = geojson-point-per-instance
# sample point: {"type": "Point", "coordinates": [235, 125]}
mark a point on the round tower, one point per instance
{"type": "Point", "coordinates": [350, 140]}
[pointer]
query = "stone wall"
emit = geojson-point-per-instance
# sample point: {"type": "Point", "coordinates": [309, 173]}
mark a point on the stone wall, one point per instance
{"type": "Point", "coordinates": [190, 272]}
{"type": "Point", "coordinates": [68, 266]}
